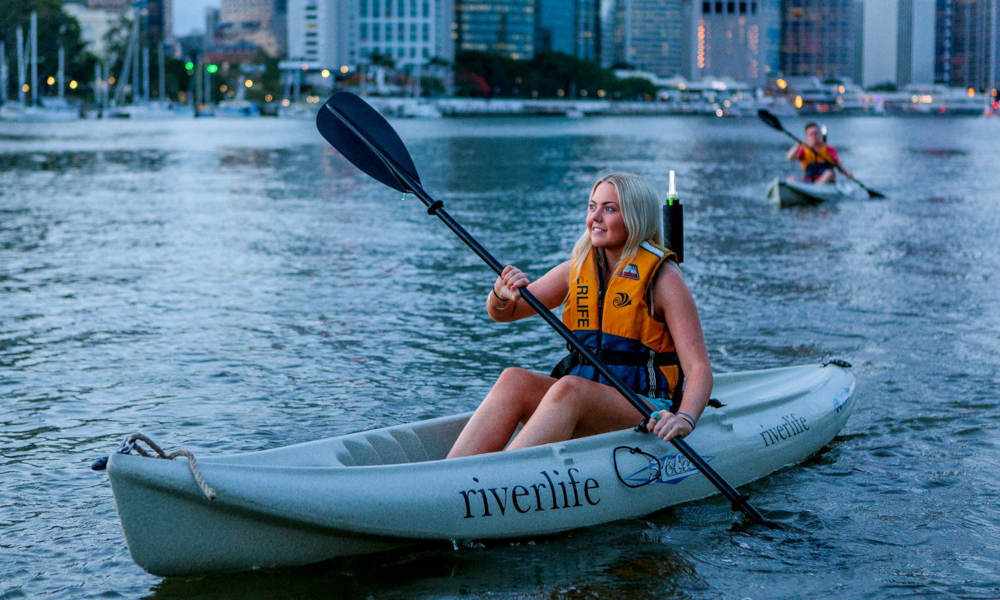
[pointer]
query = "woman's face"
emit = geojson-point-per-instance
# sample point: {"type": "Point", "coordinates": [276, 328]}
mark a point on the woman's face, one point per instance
{"type": "Point", "coordinates": [604, 218]}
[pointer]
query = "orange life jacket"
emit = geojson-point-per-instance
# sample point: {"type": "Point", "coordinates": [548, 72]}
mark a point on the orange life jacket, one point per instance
{"type": "Point", "coordinates": [614, 319]}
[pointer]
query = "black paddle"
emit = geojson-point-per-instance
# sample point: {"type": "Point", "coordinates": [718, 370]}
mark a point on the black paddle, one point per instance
{"type": "Point", "coordinates": [366, 139]}
{"type": "Point", "coordinates": [773, 122]}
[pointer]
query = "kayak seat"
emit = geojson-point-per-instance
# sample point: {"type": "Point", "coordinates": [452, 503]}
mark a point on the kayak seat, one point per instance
{"type": "Point", "coordinates": [429, 440]}
{"type": "Point", "coordinates": [383, 448]}
{"type": "Point", "coordinates": [410, 444]}
{"type": "Point", "coordinates": [387, 448]}
{"type": "Point", "coordinates": [358, 453]}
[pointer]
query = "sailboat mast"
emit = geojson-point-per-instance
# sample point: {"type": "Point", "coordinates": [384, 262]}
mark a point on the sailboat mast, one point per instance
{"type": "Point", "coordinates": [20, 66]}
{"type": "Point", "coordinates": [123, 76]}
{"type": "Point", "coordinates": [162, 87]}
{"type": "Point", "coordinates": [145, 74]}
{"type": "Point", "coordinates": [61, 75]}
{"type": "Point", "coordinates": [34, 58]}
{"type": "Point", "coordinates": [135, 54]}
{"type": "Point", "coordinates": [3, 72]}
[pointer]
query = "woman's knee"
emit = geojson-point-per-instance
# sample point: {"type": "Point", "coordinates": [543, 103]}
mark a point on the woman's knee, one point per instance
{"type": "Point", "coordinates": [514, 376]}
{"type": "Point", "coordinates": [569, 389]}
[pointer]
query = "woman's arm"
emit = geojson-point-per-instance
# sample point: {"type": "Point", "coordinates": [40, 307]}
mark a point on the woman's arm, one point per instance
{"type": "Point", "coordinates": [504, 302]}
{"type": "Point", "coordinates": [675, 304]}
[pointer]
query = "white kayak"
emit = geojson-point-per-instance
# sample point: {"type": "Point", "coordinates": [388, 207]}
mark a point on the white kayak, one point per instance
{"type": "Point", "coordinates": [784, 192]}
{"type": "Point", "coordinates": [374, 490]}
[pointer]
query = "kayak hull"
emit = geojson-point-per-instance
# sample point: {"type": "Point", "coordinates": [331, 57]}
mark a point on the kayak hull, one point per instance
{"type": "Point", "coordinates": [799, 193]}
{"type": "Point", "coordinates": [371, 491]}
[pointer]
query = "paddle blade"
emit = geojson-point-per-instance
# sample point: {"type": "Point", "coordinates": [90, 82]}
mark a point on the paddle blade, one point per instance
{"type": "Point", "coordinates": [366, 139]}
{"type": "Point", "coordinates": [769, 119]}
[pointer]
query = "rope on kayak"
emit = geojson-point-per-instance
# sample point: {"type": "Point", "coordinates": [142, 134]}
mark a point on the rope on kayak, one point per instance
{"type": "Point", "coordinates": [641, 477]}
{"type": "Point", "coordinates": [131, 443]}
{"type": "Point", "coordinates": [838, 362]}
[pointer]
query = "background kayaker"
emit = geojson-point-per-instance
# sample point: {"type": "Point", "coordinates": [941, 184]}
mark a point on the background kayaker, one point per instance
{"type": "Point", "coordinates": [616, 268]}
{"type": "Point", "coordinates": [819, 159]}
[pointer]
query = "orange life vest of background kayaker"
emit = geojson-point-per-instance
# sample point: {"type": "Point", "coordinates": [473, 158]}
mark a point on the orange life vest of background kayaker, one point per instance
{"type": "Point", "coordinates": [615, 320]}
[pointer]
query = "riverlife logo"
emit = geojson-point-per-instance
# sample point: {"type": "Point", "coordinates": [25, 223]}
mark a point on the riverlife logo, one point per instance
{"type": "Point", "coordinates": [582, 312]}
{"type": "Point", "coordinates": [789, 427]}
{"type": "Point", "coordinates": [550, 491]}
{"type": "Point", "coordinates": [630, 272]}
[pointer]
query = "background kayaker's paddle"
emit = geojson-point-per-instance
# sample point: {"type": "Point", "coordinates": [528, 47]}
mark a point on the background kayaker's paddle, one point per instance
{"type": "Point", "coordinates": [773, 122]}
{"type": "Point", "coordinates": [366, 139]}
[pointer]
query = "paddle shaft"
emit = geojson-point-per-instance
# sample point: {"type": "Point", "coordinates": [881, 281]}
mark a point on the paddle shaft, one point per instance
{"type": "Point", "coordinates": [436, 207]}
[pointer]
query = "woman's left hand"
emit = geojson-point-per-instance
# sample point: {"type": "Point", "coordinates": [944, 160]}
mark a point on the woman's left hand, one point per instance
{"type": "Point", "coordinates": [666, 425]}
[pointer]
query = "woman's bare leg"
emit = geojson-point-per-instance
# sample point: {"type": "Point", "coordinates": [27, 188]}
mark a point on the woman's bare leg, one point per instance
{"type": "Point", "coordinates": [575, 407]}
{"type": "Point", "coordinates": [512, 400]}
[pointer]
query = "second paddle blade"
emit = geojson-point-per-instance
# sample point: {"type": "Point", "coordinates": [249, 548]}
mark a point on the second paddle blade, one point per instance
{"type": "Point", "coordinates": [366, 139]}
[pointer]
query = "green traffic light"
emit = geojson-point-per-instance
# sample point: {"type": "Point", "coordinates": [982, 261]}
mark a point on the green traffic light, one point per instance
{"type": "Point", "coordinates": [189, 65]}
{"type": "Point", "coordinates": [212, 68]}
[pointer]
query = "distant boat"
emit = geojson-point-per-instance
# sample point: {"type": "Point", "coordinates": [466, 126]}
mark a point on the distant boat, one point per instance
{"type": "Point", "coordinates": [150, 111]}
{"type": "Point", "coordinates": [236, 108]}
{"type": "Point", "coordinates": [51, 110]}
{"type": "Point", "coordinates": [421, 109]}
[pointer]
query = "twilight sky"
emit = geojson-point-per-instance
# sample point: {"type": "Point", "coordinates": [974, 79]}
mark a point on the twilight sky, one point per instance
{"type": "Point", "coordinates": [189, 15]}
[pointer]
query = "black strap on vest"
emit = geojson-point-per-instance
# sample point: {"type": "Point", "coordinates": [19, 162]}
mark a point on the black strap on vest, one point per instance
{"type": "Point", "coordinates": [632, 359]}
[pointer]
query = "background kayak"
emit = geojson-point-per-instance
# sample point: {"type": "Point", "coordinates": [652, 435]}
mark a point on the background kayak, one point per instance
{"type": "Point", "coordinates": [784, 192]}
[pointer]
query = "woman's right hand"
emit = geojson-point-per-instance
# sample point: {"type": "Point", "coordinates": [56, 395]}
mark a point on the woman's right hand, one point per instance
{"type": "Point", "coordinates": [507, 284]}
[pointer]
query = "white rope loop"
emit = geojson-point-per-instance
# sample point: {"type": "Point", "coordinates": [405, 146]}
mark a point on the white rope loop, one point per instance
{"type": "Point", "coordinates": [131, 440]}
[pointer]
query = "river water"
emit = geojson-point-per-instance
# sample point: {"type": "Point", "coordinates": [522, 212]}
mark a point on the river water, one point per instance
{"type": "Point", "coordinates": [236, 285]}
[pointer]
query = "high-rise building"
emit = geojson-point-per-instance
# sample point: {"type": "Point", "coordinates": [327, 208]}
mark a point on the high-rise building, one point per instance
{"type": "Point", "coordinates": [610, 35]}
{"type": "Point", "coordinates": [156, 15]}
{"type": "Point", "coordinates": [898, 42]}
{"type": "Point", "coordinates": [915, 49]}
{"type": "Point", "coordinates": [95, 23]}
{"type": "Point", "coordinates": [250, 24]}
{"type": "Point", "coordinates": [568, 26]}
{"type": "Point", "coordinates": [820, 38]}
{"type": "Point", "coordinates": [966, 43]}
{"type": "Point", "coordinates": [505, 27]}
{"type": "Point", "coordinates": [340, 35]}
{"type": "Point", "coordinates": [733, 39]}
{"type": "Point", "coordinates": [648, 35]}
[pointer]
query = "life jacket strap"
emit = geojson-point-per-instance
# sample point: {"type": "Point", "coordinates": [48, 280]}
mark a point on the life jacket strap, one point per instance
{"type": "Point", "coordinates": [631, 359]}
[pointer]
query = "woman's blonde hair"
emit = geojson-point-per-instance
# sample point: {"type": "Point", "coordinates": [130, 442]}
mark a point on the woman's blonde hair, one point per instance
{"type": "Point", "coordinates": [640, 208]}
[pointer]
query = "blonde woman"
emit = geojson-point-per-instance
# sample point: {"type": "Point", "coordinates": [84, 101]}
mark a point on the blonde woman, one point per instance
{"type": "Point", "coordinates": [625, 299]}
